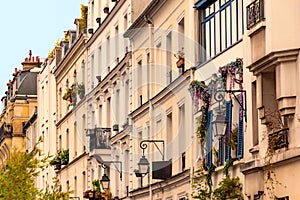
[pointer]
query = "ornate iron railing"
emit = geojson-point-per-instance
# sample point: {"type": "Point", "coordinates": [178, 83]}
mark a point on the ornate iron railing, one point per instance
{"type": "Point", "coordinates": [255, 13]}
{"type": "Point", "coordinates": [99, 138]}
{"type": "Point", "coordinates": [279, 139]}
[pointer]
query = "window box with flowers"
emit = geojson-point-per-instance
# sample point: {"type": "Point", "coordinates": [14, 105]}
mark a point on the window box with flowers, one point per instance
{"type": "Point", "coordinates": [64, 156]}
{"type": "Point", "coordinates": [70, 95]}
{"type": "Point", "coordinates": [180, 61]}
{"type": "Point", "coordinates": [56, 162]}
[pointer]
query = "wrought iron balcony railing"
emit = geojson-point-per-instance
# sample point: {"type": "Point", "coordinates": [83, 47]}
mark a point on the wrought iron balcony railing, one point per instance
{"type": "Point", "coordinates": [255, 13]}
{"type": "Point", "coordinates": [99, 138]}
{"type": "Point", "coordinates": [279, 139]}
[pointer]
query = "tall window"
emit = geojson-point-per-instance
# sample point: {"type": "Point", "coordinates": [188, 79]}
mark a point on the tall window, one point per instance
{"type": "Point", "coordinates": [140, 82]}
{"type": "Point", "coordinates": [158, 68]}
{"type": "Point", "coordinates": [108, 112]}
{"type": "Point", "coordinates": [221, 25]}
{"type": "Point", "coordinates": [107, 52]}
{"type": "Point", "coordinates": [181, 133]}
{"type": "Point", "coordinates": [255, 138]}
{"type": "Point", "coordinates": [169, 57]}
{"type": "Point", "coordinates": [117, 107]}
{"type": "Point", "coordinates": [181, 35]}
{"type": "Point", "coordinates": [117, 43]}
{"type": "Point", "coordinates": [92, 70]}
{"type": "Point", "coordinates": [169, 136]}
{"type": "Point", "coordinates": [100, 60]}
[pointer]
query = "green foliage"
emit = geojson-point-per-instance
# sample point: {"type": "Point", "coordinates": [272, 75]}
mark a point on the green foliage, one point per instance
{"type": "Point", "coordinates": [96, 186]}
{"type": "Point", "coordinates": [229, 188]}
{"type": "Point", "coordinates": [64, 155]}
{"type": "Point", "coordinates": [55, 160]}
{"type": "Point", "coordinates": [17, 177]}
{"type": "Point", "coordinates": [55, 192]}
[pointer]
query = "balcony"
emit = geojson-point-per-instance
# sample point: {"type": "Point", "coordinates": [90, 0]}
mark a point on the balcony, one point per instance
{"type": "Point", "coordinates": [279, 139]}
{"type": "Point", "coordinates": [99, 138]}
{"type": "Point", "coordinates": [255, 13]}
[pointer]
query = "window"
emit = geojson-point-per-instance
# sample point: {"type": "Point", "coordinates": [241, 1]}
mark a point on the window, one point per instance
{"type": "Point", "coordinates": [169, 136]}
{"type": "Point", "coordinates": [84, 181]}
{"type": "Point", "coordinates": [92, 70]}
{"type": "Point", "coordinates": [117, 43]}
{"type": "Point", "coordinates": [107, 51]}
{"type": "Point", "coordinates": [67, 139]}
{"type": "Point", "coordinates": [140, 82]}
{"type": "Point", "coordinates": [158, 71]}
{"type": "Point", "coordinates": [255, 139]}
{"type": "Point", "coordinates": [108, 112]}
{"type": "Point", "coordinates": [100, 60]}
{"type": "Point", "coordinates": [221, 25]}
{"type": "Point", "coordinates": [181, 35]}
{"type": "Point", "coordinates": [182, 133]}
{"type": "Point", "coordinates": [100, 115]}
{"type": "Point", "coordinates": [117, 105]}
{"type": "Point", "coordinates": [169, 57]}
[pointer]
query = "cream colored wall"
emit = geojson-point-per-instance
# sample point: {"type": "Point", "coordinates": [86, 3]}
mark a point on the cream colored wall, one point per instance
{"type": "Point", "coordinates": [100, 67]}
{"type": "Point", "coordinates": [163, 22]}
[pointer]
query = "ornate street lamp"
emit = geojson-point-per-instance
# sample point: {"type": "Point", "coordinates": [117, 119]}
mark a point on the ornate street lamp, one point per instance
{"type": "Point", "coordinates": [144, 165]}
{"type": "Point", "coordinates": [105, 182]}
{"type": "Point", "coordinates": [219, 124]}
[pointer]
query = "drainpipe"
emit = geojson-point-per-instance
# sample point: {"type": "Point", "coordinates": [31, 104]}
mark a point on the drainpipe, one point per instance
{"type": "Point", "coordinates": [150, 85]}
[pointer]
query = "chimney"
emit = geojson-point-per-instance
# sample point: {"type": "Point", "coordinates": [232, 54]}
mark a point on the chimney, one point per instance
{"type": "Point", "coordinates": [30, 63]}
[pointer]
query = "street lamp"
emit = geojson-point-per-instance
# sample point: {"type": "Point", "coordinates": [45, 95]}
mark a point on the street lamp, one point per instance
{"type": "Point", "coordinates": [105, 182]}
{"type": "Point", "coordinates": [144, 165]}
{"type": "Point", "coordinates": [219, 124]}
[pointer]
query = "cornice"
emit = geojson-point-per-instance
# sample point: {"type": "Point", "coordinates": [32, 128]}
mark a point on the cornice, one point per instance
{"type": "Point", "coordinates": [105, 23]}
{"type": "Point", "coordinates": [75, 50]}
{"type": "Point", "coordinates": [272, 59]}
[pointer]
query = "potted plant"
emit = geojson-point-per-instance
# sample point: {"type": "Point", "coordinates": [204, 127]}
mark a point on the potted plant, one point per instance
{"type": "Point", "coordinates": [64, 157]}
{"type": "Point", "coordinates": [180, 57]}
{"type": "Point", "coordinates": [97, 189]}
{"type": "Point", "coordinates": [56, 162]}
{"type": "Point", "coordinates": [86, 194]}
{"type": "Point", "coordinates": [106, 9]}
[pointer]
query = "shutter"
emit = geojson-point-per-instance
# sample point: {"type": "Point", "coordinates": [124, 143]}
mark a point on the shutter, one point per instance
{"type": "Point", "coordinates": [209, 139]}
{"type": "Point", "coordinates": [220, 154]}
{"type": "Point", "coordinates": [228, 128]}
{"type": "Point", "coordinates": [240, 144]}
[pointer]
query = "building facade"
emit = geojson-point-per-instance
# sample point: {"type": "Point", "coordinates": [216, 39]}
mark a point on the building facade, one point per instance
{"type": "Point", "coordinates": [205, 91]}
{"type": "Point", "coordinates": [19, 105]}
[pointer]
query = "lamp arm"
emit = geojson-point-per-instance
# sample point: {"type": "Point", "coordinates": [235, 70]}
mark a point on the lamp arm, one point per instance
{"type": "Point", "coordinates": [144, 146]}
{"type": "Point", "coordinates": [119, 162]}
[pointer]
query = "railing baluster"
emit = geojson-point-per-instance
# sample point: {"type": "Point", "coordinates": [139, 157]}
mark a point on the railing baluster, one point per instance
{"type": "Point", "coordinates": [255, 13]}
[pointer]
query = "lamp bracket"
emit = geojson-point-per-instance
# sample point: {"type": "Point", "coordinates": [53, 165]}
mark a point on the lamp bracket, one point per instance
{"type": "Point", "coordinates": [144, 146]}
{"type": "Point", "coordinates": [105, 163]}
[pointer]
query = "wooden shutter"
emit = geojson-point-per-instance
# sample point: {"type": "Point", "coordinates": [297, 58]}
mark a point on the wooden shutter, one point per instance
{"type": "Point", "coordinates": [228, 128]}
{"type": "Point", "coordinates": [209, 139]}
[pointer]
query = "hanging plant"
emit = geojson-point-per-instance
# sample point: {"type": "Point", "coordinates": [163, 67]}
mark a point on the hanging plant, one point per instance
{"type": "Point", "coordinates": [200, 91]}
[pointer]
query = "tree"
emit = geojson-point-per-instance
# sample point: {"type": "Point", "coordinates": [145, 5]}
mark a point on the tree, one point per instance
{"type": "Point", "coordinates": [17, 176]}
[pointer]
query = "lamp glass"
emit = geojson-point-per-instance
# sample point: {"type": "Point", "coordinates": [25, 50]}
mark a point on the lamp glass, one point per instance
{"type": "Point", "coordinates": [105, 182]}
{"type": "Point", "coordinates": [219, 124]}
{"type": "Point", "coordinates": [143, 165]}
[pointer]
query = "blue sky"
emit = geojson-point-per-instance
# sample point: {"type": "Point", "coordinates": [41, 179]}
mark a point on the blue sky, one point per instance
{"type": "Point", "coordinates": [35, 25]}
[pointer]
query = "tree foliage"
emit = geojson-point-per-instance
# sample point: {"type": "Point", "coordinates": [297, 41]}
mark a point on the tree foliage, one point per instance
{"type": "Point", "coordinates": [18, 174]}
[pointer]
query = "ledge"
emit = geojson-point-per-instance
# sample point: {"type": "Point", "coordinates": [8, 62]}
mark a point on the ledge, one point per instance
{"type": "Point", "coordinates": [272, 59]}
